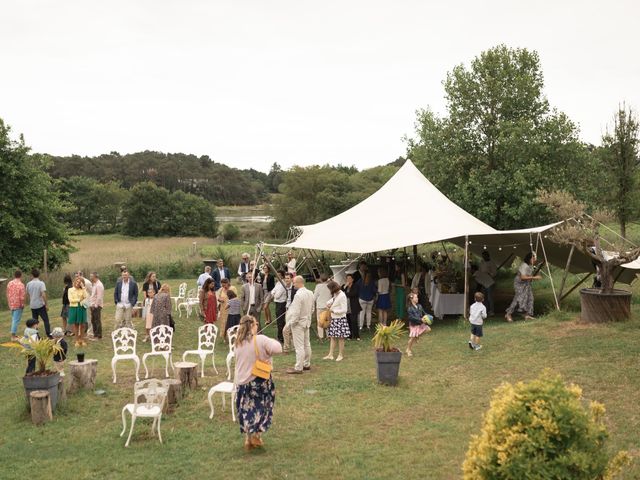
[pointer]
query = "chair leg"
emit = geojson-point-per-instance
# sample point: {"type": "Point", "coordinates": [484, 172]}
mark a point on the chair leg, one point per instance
{"type": "Point", "coordinates": [171, 362]}
{"type": "Point", "coordinates": [158, 427]}
{"type": "Point", "coordinates": [233, 404]}
{"type": "Point", "coordinates": [124, 422]}
{"type": "Point", "coordinates": [153, 425]}
{"type": "Point", "coordinates": [137, 361]}
{"type": "Point", "coordinates": [166, 366]}
{"type": "Point", "coordinates": [224, 402]}
{"type": "Point", "coordinates": [213, 361]}
{"type": "Point", "coordinates": [113, 369]}
{"type": "Point", "coordinates": [202, 357]}
{"type": "Point", "coordinates": [144, 362]}
{"type": "Point", "coordinates": [133, 422]}
{"type": "Point", "coordinates": [210, 398]}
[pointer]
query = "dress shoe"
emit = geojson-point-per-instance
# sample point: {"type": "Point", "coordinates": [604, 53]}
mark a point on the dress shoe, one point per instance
{"type": "Point", "coordinates": [306, 368]}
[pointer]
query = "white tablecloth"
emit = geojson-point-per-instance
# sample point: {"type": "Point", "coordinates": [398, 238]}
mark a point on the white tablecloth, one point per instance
{"type": "Point", "coordinates": [446, 303]}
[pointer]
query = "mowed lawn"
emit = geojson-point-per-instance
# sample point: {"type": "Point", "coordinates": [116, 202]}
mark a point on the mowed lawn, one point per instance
{"type": "Point", "coordinates": [334, 422]}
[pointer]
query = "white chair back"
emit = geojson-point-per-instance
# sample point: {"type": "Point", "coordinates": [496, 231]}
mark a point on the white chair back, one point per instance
{"type": "Point", "coordinates": [182, 289]}
{"type": "Point", "coordinates": [207, 335]}
{"type": "Point", "coordinates": [154, 393]}
{"type": "Point", "coordinates": [124, 341]}
{"type": "Point", "coordinates": [161, 338]}
{"type": "Point", "coordinates": [232, 334]}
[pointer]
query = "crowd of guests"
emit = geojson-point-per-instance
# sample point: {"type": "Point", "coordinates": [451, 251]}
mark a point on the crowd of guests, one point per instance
{"type": "Point", "coordinates": [349, 306]}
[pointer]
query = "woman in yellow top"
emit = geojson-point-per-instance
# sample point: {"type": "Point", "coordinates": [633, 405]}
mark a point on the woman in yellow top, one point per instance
{"type": "Point", "coordinates": [77, 311]}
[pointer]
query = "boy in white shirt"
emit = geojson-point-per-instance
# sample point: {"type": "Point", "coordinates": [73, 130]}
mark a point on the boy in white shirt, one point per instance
{"type": "Point", "coordinates": [477, 314]}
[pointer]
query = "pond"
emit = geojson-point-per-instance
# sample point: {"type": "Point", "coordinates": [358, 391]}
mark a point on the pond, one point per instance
{"type": "Point", "coordinates": [245, 218]}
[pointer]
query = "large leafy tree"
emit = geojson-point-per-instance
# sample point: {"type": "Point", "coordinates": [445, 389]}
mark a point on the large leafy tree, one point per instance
{"type": "Point", "coordinates": [29, 208]}
{"type": "Point", "coordinates": [620, 157]}
{"type": "Point", "coordinates": [500, 141]}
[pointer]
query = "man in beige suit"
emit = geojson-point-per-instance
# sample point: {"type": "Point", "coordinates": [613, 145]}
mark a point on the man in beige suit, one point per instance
{"type": "Point", "coordinates": [252, 298]}
{"type": "Point", "coordinates": [299, 319]}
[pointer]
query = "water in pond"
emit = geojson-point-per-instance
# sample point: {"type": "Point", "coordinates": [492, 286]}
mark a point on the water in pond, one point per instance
{"type": "Point", "coordinates": [247, 218]}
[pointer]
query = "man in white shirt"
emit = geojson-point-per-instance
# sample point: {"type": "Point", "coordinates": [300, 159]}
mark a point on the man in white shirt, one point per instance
{"type": "Point", "coordinates": [299, 320]}
{"type": "Point", "coordinates": [203, 276]}
{"type": "Point", "coordinates": [281, 297]}
{"type": "Point", "coordinates": [252, 298]}
{"type": "Point", "coordinates": [321, 295]}
{"type": "Point", "coordinates": [243, 268]}
{"type": "Point", "coordinates": [96, 302]}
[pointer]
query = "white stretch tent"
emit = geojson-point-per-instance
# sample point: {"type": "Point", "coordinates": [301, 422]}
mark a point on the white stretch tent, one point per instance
{"type": "Point", "coordinates": [409, 210]}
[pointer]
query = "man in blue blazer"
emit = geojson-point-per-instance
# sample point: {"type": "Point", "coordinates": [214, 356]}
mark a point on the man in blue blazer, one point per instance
{"type": "Point", "coordinates": [125, 296]}
{"type": "Point", "coordinates": [219, 273]}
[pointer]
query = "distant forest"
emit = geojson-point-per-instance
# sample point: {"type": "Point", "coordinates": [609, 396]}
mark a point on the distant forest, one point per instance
{"type": "Point", "coordinates": [201, 176]}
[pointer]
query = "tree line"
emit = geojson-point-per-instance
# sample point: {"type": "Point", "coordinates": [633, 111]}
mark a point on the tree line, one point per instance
{"type": "Point", "coordinates": [497, 146]}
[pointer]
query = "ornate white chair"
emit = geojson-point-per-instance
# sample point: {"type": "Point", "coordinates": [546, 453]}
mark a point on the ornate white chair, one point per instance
{"type": "Point", "coordinates": [154, 394]}
{"type": "Point", "coordinates": [189, 302]}
{"type": "Point", "coordinates": [161, 341]}
{"type": "Point", "coordinates": [124, 348]}
{"type": "Point", "coordinates": [232, 334]}
{"type": "Point", "coordinates": [182, 294]}
{"type": "Point", "coordinates": [207, 335]}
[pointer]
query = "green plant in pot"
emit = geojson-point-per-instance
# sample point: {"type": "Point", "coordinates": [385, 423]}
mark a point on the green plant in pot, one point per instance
{"type": "Point", "coordinates": [42, 350]}
{"type": "Point", "coordinates": [387, 356]}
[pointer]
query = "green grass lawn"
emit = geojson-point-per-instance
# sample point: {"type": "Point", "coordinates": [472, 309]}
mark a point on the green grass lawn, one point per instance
{"type": "Point", "coordinates": [334, 422]}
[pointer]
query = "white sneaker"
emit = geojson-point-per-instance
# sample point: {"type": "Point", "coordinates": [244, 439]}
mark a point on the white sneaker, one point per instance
{"type": "Point", "coordinates": [339, 359]}
{"type": "Point", "coordinates": [328, 357]}
{"type": "Point", "coordinates": [477, 347]}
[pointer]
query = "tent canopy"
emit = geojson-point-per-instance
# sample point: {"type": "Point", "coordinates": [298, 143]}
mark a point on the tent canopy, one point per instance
{"type": "Point", "coordinates": [377, 224]}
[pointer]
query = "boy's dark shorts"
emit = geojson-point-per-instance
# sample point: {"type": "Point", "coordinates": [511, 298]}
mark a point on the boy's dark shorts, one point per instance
{"type": "Point", "coordinates": [476, 330]}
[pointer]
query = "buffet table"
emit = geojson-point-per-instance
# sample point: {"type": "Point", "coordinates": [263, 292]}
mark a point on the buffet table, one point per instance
{"type": "Point", "coordinates": [446, 303]}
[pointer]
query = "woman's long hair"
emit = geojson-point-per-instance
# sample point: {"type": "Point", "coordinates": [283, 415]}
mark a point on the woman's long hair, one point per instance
{"type": "Point", "coordinates": [244, 332]}
{"type": "Point", "coordinates": [148, 277]}
{"type": "Point", "coordinates": [528, 257]}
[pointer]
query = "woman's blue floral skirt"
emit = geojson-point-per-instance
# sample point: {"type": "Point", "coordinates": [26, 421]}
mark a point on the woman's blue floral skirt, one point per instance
{"type": "Point", "coordinates": [254, 402]}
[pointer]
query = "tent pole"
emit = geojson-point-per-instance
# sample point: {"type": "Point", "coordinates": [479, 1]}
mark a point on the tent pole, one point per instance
{"type": "Point", "coordinates": [566, 271]}
{"type": "Point", "coordinates": [553, 288]}
{"type": "Point", "coordinates": [510, 257]}
{"type": "Point", "coordinates": [576, 285]}
{"type": "Point", "coordinates": [466, 276]}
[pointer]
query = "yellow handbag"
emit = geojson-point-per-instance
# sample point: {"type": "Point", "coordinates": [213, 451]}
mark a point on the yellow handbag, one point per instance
{"type": "Point", "coordinates": [325, 319]}
{"type": "Point", "coordinates": [260, 369]}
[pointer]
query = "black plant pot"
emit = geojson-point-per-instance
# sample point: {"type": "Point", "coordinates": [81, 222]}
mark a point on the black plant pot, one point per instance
{"type": "Point", "coordinates": [388, 367]}
{"type": "Point", "coordinates": [80, 357]}
{"type": "Point", "coordinates": [42, 382]}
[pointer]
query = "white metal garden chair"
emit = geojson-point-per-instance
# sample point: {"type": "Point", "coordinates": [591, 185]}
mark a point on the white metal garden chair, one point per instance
{"type": "Point", "coordinates": [224, 388]}
{"type": "Point", "coordinates": [154, 393]}
{"type": "Point", "coordinates": [189, 302]}
{"type": "Point", "coordinates": [182, 294]}
{"type": "Point", "coordinates": [207, 335]}
{"type": "Point", "coordinates": [124, 348]}
{"type": "Point", "coordinates": [161, 341]}
{"type": "Point", "coordinates": [232, 334]}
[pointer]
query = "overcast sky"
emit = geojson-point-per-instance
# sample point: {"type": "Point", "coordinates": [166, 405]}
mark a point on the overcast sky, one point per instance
{"type": "Point", "coordinates": [250, 83]}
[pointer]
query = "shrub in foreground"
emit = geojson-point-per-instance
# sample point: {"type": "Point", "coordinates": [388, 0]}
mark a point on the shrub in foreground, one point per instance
{"type": "Point", "coordinates": [542, 430]}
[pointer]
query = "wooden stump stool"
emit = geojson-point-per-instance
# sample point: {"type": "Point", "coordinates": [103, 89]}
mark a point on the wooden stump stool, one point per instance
{"type": "Point", "coordinates": [174, 394]}
{"type": "Point", "coordinates": [187, 373]}
{"type": "Point", "coordinates": [40, 407]}
{"type": "Point", "coordinates": [82, 375]}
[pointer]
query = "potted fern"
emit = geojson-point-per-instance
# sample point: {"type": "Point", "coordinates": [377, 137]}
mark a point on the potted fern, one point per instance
{"type": "Point", "coordinates": [42, 350]}
{"type": "Point", "coordinates": [387, 356]}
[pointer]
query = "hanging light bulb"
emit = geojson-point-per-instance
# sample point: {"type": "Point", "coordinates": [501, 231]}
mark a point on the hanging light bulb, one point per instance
{"type": "Point", "coordinates": [500, 249]}
{"type": "Point", "coordinates": [393, 258]}
{"type": "Point", "coordinates": [455, 250]}
{"type": "Point", "coordinates": [377, 259]}
{"type": "Point", "coordinates": [484, 248]}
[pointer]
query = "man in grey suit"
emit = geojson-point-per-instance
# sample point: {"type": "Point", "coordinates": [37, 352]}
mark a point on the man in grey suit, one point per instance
{"type": "Point", "coordinates": [299, 319]}
{"type": "Point", "coordinates": [252, 295]}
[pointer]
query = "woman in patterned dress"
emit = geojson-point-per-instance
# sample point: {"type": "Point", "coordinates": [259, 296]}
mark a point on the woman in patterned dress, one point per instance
{"type": "Point", "coordinates": [161, 307]}
{"type": "Point", "coordinates": [523, 298]}
{"type": "Point", "coordinates": [256, 396]}
{"type": "Point", "coordinates": [339, 326]}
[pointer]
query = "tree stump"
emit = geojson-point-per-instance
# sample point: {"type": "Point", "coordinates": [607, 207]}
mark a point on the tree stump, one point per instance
{"type": "Point", "coordinates": [82, 375]}
{"type": "Point", "coordinates": [174, 394]}
{"type": "Point", "coordinates": [62, 394]}
{"type": "Point", "coordinates": [187, 373]}
{"type": "Point", "coordinates": [40, 407]}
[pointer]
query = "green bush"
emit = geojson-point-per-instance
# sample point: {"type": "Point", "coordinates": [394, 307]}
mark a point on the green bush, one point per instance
{"type": "Point", "coordinates": [230, 231]}
{"type": "Point", "coordinates": [541, 430]}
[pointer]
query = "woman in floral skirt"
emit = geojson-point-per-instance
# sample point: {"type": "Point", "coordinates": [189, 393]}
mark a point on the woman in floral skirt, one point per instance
{"type": "Point", "coordinates": [255, 396]}
{"type": "Point", "coordinates": [339, 326]}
